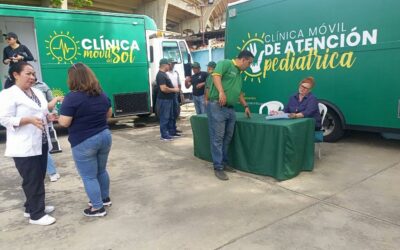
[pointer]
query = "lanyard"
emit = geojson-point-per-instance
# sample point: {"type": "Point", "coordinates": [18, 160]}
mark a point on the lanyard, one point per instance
{"type": "Point", "coordinates": [33, 97]}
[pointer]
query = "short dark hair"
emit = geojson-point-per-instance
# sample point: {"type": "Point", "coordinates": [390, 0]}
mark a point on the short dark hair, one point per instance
{"type": "Point", "coordinates": [17, 68]}
{"type": "Point", "coordinates": [245, 54]}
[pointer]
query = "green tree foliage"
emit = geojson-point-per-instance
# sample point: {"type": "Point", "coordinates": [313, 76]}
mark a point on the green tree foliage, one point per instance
{"type": "Point", "coordinates": [76, 3]}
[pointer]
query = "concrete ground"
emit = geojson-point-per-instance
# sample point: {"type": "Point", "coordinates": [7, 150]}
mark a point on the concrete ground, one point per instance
{"type": "Point", "coordinates": [165, 198]}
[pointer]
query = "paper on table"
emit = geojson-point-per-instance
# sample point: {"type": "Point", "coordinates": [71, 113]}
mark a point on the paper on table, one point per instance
{"type": "Point", "coordinates": [278, 116]}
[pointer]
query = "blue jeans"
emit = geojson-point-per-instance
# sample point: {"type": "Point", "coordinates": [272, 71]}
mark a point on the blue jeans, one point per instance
{"type": "Point", "coordinates": [166, 114]}
{"type": "Point", "coordinates": [51, 167]}
{"type": "Point", "coordinates": [221, 124]}
{"type": "Point", "coordinates": [90, 158]}
{"type": "Point", "coordinates": [199, 104]}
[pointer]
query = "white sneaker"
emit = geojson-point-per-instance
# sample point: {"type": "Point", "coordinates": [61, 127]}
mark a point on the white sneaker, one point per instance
{"type": "Point", "coordinates": [44, 221]}
{"type": "Point", "coordinates": [47, 210]}
{"type": "Point", "coordinates": [54, 177]}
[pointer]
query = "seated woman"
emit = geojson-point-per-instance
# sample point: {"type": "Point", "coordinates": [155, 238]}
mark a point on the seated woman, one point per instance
{"type": "Point", "coordinates": [304, 103]}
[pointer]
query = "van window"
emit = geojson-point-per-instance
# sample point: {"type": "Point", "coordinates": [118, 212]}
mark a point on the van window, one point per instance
{"type": "Point", "coordinates": [171, 50]}
{"type": "Point", "coordinates": [185, 54]}
{"type": "Point", "coordinates": [187, 66]}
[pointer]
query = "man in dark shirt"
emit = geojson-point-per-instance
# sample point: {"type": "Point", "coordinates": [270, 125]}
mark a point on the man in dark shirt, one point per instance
{"type": "Point", "coordinates": [165, 98]}
{"type": "Point", "coordinates": [198, 81]}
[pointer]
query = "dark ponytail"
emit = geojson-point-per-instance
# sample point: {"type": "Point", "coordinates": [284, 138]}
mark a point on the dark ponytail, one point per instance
{"type": "Point", "coordinates": [17, 68]}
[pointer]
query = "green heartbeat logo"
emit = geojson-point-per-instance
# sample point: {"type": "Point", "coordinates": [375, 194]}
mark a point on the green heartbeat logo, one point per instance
{"type": "Point", "coordinates": [63, 47]}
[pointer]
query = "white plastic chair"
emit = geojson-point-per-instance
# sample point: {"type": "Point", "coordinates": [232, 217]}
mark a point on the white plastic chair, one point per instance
{"type": "Point", "coordinates": [271, 106]}
{"type": "Point", "coordinates": [323, 109]}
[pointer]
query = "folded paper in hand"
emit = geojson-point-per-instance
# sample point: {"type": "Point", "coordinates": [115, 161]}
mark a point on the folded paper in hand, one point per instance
{"type": "Point", "coordinates": [278, 116]}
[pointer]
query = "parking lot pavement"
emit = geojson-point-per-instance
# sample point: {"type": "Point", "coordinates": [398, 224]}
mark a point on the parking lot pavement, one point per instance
{"type": "Point", "coordinates": [165, 198]}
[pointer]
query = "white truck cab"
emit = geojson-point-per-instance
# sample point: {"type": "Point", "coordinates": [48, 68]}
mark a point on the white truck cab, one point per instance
{"type": "Point", "coordinates": [176, 49]}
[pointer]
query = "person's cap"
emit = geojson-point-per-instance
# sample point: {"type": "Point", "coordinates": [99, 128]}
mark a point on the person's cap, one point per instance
{"type": "Point", "coordinates": [212, 64]}
{"type": "Point", "coordinates": [10, 35]}
{"type": "Point", "coordinates": [195, 65]}
{"type": "Point", "coordinates": [170, 61]}
{"type": "Point", "coordinates": [164, 61]}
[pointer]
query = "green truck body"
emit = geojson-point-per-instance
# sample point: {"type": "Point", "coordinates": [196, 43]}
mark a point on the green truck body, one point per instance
{"type": "Point", "coordinates": [114, 45]}
{"type": "Point", "coordinates": [351, 48]}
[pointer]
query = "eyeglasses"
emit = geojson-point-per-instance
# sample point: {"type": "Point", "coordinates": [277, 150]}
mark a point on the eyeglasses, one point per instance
{"type": "Point", "coordinates": [304, 87]}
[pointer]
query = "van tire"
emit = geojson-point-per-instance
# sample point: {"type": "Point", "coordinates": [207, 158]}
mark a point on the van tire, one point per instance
{"type": "Point", "coordinates": [332, 126]}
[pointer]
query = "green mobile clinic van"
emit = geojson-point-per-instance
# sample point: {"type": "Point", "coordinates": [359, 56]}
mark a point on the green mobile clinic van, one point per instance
{"type": "Point", "coordinates": [122, 49]}
{"type": "Point", "coordinates": [351, 48]}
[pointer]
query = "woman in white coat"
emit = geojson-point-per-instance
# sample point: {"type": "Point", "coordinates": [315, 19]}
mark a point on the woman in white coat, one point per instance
{"type": "Point", "coordinates": [24, 113]}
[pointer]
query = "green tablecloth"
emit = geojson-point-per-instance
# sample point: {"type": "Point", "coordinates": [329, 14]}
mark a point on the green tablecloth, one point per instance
{"type": "Point", "coordinates": [277, 148]}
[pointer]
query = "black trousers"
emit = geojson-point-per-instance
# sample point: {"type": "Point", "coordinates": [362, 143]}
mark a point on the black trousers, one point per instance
{"type": "Point", "coordinates": [33, 171]}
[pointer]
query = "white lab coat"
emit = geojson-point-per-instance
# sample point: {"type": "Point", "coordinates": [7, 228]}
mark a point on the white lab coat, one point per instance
{"type": "Point", "coordinates": [26, 140]}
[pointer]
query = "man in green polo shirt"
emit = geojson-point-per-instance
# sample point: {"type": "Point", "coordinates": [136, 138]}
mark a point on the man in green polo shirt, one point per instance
{"type": "Point", "coordinates": [223, 95]}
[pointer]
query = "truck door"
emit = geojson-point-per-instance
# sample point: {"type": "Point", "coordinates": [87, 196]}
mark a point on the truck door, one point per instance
{"type": "Point", "coordinates": [186, 58]}
{"type": "Point", "coordinates": [172, 49]}
{"type": "Point", "coordinates": [187, 65]}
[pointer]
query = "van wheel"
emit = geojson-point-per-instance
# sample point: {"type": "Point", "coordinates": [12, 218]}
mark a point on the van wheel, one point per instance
{"type": "Point", "coordinates": [332, 126]}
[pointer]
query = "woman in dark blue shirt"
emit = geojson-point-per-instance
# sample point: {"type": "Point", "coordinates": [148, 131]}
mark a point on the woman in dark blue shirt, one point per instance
{"type": "Point", "coordinates": [304, 103]}
{"type": "Point", "coordinates": [85, 111]}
